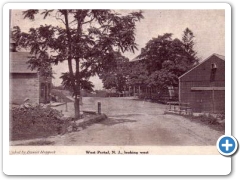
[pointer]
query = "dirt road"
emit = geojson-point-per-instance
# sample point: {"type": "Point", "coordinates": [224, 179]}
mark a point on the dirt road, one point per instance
{"type": "Point", "coordinates": [134, 122]}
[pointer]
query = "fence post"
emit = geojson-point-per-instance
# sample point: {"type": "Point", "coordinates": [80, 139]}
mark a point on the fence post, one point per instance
{"type": "Point", "coordinates": [99, 107]}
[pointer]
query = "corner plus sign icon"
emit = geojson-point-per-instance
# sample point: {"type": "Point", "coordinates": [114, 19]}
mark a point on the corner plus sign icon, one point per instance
{"type": "Point", "coordinates": [227, 145]}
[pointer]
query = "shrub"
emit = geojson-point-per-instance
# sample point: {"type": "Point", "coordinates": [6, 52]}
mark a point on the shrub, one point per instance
{"type": "Point", "coordinates": [211, 120]}
{"type": "Point", "coordinates": [28, 122]}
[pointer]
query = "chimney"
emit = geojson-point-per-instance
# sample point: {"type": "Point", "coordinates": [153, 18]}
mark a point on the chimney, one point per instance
{"type": "Point", "coordinates": [13, 44]}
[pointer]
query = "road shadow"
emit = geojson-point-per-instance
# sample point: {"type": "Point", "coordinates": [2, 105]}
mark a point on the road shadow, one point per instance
{"type": "Point", "coordinates": [150, 101]}
{"type": "Point", "coordinates": [126, 115]}
{"type": "Point", "coordinates": [113, 121]}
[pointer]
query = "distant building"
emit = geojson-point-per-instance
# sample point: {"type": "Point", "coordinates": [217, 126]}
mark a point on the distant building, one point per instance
{"type": "Point", "coordinates": [136, 88]}
{"type": "Point", "coordinates": [24, 82]}
{"type": "Point", "coordinates": [203, 87]}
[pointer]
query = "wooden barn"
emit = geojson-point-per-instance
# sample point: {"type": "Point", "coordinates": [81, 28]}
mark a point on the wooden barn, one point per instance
{"type": "Point", "coordinates": [203, 87]}
{"type": "Point", "coordinates": [24, 82]}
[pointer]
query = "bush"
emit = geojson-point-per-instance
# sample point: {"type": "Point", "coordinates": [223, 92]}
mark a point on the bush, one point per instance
{"type": "Point", "coordinates": [28, 122]}
{"type": "Point", "coordinates": [211, 120]}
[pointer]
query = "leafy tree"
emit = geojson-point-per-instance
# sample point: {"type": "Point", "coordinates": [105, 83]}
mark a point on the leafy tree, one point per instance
{"type": "Point", "coordinates": [137, 73]}
{"type": "Point", "coordinates": [85, 39]}
{"type": "Point", "coordinates": [188, 41]}
{"type": "Point", "coordinates": [166, 59]}
{"type": "Point", "coordinates": [156, 51]}
{"type": "Point", "coordinates": [115, 74]}
{"type": "Point", "coordinates": [84, 82]}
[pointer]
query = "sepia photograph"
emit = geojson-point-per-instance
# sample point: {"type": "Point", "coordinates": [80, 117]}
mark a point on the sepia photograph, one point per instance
{"type": "Point", "coordinates": [136, 78]}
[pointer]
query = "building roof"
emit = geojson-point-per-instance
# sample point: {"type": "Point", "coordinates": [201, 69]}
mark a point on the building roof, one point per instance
{"type": "Point", "coordinates": [61, 95]}
{"type": "Point", "coordinates": [136, 59]}
{"type": "Point", "coordinates": [219, 56]}
{"type": "Point", "coordinates": [18, 62]}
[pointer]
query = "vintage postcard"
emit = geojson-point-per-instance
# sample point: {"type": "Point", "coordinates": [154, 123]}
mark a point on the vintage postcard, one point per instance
{"type": "Point", "coordinates": [102, 79]}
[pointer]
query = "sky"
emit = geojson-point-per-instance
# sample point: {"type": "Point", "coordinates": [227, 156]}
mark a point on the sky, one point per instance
{"type": "Point", "coordinates": [208, 27]}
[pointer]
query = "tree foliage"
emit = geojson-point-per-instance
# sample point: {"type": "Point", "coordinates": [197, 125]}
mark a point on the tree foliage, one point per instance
{"type": "Point", "coordinates": [137, 73]}
{"type": "Point", "coordinates": [85, 39]}
{"type": "Point", "coordinates": [84, 82]}
{"type": "Point", "coordinates": [164, 59]}
{"type": "Point", "coordinates": [188, 41]}
{"type": "Point", "coordinates": [115, 74]}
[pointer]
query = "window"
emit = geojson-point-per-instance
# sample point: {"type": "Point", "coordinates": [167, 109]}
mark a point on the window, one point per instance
{"type": "Point", "coordinates": [42, 90]}
{"type": "Point", "coordinates": [214, 66]}
{"type": "Point", "coordinates": [213, 72]}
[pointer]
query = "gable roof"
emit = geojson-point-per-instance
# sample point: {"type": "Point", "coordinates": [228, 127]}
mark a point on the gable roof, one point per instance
{"type": "Point", "coordinates": [18, 62]}
{"type": "Point", "coordinates": [137, 58]}
{"type": "Point", "coordinates": [219, 56]}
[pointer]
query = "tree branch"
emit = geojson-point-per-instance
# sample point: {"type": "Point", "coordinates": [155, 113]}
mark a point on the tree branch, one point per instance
{"type": "Point", "coordinates": [65, 13]}
{"type": "Point", "coordinates": [88, 21]}
{"type": "Point", "coordinates": [60, 20]}
{"type": "Point", "coordinates": [72, 21]}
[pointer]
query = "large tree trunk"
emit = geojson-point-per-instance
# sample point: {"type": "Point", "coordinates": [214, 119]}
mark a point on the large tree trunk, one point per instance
{"type": "Point", "coordinates": [77, 91]}
{"type": "Point", "coordinates": [77, 99]}
{"type": "Point", "coordinates": [77, 60]}
{"type": "Point", "coordinates": [76, 87]}
{"type": "Point", "coordinates": [77, 107]}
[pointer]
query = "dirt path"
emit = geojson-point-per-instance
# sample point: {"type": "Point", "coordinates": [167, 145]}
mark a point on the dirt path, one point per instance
{"type": "Point", "coordinates": [137, 132]}
{"type": "Point", "coordinates": [134, 122]}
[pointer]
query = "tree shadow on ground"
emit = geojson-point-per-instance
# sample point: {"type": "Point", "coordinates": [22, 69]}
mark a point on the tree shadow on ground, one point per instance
{"type": "Point", "coordinates": [126, 115]}
{"type": "Point", "coordinates": [113, 121]}
{"type": "Point", "coordinates": [151, 101]}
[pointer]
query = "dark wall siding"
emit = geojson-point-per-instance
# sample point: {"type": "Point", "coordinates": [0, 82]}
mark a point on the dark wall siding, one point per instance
{"type": "Point", "coordinates": [45, 89]}
{"type": "Point", "coordinates": [204, 101]}
{"type": "Point", "coordinates": [203, 71]}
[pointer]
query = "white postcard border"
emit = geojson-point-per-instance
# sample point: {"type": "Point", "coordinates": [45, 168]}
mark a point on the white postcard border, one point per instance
{"type": "Point", "coordinates": [115, 165]}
